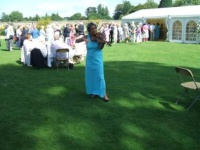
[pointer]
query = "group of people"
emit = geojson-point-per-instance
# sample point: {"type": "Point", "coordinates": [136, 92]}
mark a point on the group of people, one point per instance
{"type": "Point", "coordinates": [48, 41]}
{"type": "Point", "coordinates": [132, 32]}
{"type": "Point", "coordinates": [17, 35]}
{"type": "Point", "coordinates": [141, 32]}
{"type": "Point", "coordinates": [112, 31]}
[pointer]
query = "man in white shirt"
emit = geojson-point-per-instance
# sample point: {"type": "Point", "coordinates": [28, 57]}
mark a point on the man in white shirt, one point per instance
{"type": "Point", "coordinates": [120, 32]}
{"type": "Point", "coordinates": [151, 29]}
{"type": "Point", "coordinates": [132, 32]}
{"type": "Point", "coordinates": [9, 37]}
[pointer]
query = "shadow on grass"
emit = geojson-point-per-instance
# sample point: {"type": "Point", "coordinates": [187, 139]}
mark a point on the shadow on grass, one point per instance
{"type": "Point", "coordinates": [5, 50]}
{"type": "Point", "coordinates": [167, 105]}
{"type": "Point", "coordinates": [48, 109]}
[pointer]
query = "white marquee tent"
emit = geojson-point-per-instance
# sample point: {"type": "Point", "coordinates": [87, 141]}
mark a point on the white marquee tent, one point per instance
{"type": "Point", "coordinates": [180, 22]}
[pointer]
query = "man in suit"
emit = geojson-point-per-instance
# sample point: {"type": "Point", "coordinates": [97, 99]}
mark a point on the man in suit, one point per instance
{"type": "Point", "coordinates": [66, 34]}
{"type": "Point", "coordinates": [81, 29]}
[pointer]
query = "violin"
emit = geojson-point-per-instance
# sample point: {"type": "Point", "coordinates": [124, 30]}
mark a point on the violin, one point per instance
{"type": "Point", "coordinates": [100, 38]}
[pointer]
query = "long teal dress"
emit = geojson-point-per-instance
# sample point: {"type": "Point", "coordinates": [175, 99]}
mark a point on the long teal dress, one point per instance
{"type": "Point", "coordinates": [94, 70]}
{"type": "Point", "coordinates": [157, 32]}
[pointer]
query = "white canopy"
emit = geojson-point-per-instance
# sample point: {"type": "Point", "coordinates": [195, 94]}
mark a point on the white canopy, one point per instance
{"type": "Point", "coordinates": [184, 11]}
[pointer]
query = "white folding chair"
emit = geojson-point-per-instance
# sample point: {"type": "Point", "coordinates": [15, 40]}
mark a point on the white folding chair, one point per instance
{"type": "Point", "coordinates": [62, 55]}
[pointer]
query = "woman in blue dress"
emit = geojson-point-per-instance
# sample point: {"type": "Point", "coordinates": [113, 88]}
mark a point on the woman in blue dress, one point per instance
{"type": "Point", "coordinates": [157, 31]}
{"type": "Point", "coordinates": [94, 69]}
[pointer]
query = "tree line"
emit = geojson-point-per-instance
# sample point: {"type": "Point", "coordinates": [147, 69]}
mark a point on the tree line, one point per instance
{"type": "Point", "coordinates": [101, 11]}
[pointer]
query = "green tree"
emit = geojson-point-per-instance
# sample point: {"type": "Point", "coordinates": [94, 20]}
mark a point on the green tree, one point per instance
{"type": "Point", "coordinates": [118, 11]}
{"type": "Point", "coordinates": [103, 12]}
{"type": "Point", "coordinates": [26, 19]}
{"type": "Point", "coordinates": [122, 9]}
{"type": "Point", "coordinates": [126, 7]}
{"type": "Point", "coordinates": [100, 9]}
{"type": "Point", "coordinates": [55, 17]}
{"type": "Point", "coordinates": [150, 4]}
{"type": "Point", "coordinates": [136, 8]}
{"type": "Point", "coordinates": [165, 3]}
{"type": "Point", "coordinates": [5, 17]}
{"type": "Point", "coordinates": [77, 16]}
{"type": "Point", "coordinates": [186, 2]}
{"type": "Point", "coordinates": [36, 18]}
{"type": "Point", "coordinates": [94, 16]}
{"type": "Point", "coordinates": [89, 11]}
{"type": "Point", "coordinates": [30, 18]}
{"type": "Point", "coordinates": [16, 16]}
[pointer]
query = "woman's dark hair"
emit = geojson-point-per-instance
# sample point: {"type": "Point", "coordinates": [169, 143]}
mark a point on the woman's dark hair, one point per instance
{"type": "Point", "coordinates": [90, 25]}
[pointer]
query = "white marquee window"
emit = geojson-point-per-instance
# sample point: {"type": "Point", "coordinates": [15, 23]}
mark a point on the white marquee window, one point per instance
{"type": "Point", "coordinates": [190, 31]}
{"type": "Point", "coordinates": [177, 30]}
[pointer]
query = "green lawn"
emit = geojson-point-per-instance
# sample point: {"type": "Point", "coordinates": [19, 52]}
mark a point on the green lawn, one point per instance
{"type": "Point", "coordinates": [46, 109]}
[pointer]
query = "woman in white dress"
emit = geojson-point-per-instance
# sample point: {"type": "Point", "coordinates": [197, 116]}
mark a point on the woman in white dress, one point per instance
{"type": "Point", "coordinates": [18, 35]}
{"type": "Point", "coordinates": [126, 33]}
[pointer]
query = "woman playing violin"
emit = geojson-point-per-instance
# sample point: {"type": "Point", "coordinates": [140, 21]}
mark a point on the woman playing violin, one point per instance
{"type": "Point", "coordinates": [94, 69]}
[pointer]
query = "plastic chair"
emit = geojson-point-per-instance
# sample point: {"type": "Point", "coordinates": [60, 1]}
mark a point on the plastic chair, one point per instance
{"type": "Point", "coordinates": [62, 55]}
{"type": "Point", "coordinates": [189, 83]}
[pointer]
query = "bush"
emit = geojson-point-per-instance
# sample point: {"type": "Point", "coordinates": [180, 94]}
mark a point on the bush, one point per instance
{"type": "Point", "coordinates": [2, 30]}
{"type": "Point", "coordinates": [43, 22]}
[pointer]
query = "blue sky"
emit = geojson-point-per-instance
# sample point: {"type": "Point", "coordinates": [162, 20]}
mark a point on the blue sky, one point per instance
{"type": "Point", "coordinates": [62, 7]}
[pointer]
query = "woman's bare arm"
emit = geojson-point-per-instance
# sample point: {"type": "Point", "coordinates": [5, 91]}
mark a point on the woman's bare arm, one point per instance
{"type": "Point", "coordinates": [82, 39]}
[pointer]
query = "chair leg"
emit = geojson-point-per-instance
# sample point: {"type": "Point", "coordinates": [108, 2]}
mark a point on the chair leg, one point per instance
{"type": "Point", "coordinates": [193, 102]}
{"type": "Point", "coordinates": [57, 63]}
{"type": "Point", "coordinates": [66, 64]}
{"type": "Point", "coordinates": [183, 95]}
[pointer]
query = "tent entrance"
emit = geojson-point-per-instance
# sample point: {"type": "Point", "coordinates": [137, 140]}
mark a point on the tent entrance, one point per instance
{"type": "Point", "coordinates": [162, 25]}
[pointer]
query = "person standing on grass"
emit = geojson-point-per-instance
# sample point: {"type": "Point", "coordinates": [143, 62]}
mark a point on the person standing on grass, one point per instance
{"type": "Point", "coordinates": [151, 29]}
{"type": "Point", "coordinates": [120, 33]}
{"type": "Point", "coordinates": [35, 33]}
{"type": "Point", "coordinates": [66, 33]}
{"type": "Point", "coordinates": [132, 31]}
{"type": "Point", "coordinates": [81, 28]}
{"type": "Point", "coordinates": [145, 34]}
{"type": "Point", "coordinates": [138, 34]}
{"type": "Point", "coordinates": [9, 32]}
{"type": "Point", "coordinates": [126, 33]}
{"type": "Point", "coordinates": [94, 69]}
{"type": "Point", "coordinates": [18, 35]}
{"type": "Point", "coordinates": [115, 34]}
{"type": "Point", "coordinates": [24, 32]}
{"type": "Point", "coordinates": [157, 32]}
